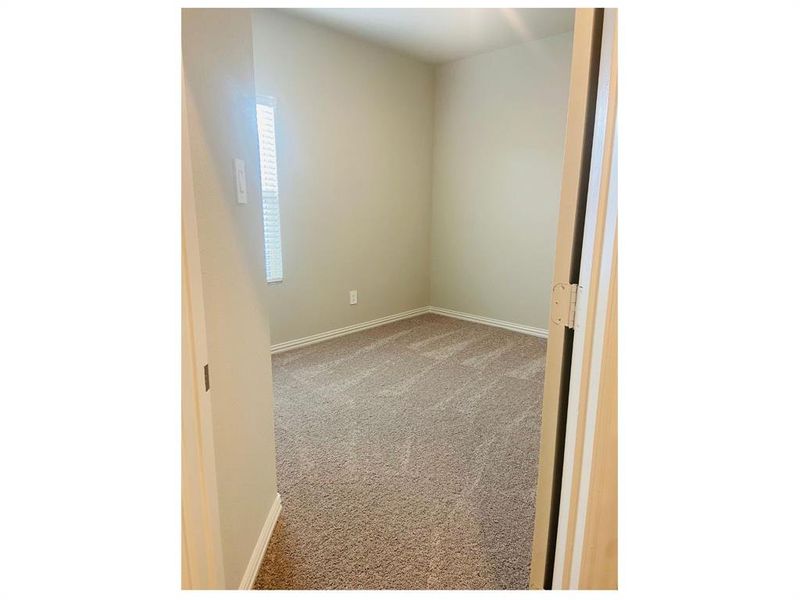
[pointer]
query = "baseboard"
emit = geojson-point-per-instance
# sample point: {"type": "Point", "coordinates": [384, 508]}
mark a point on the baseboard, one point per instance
{"type": "Point", "coordinates": [329, 335]}
{"type": "Point", "coordinates": [250, 573]}
{"type": "Point", "coordinates": [334, 333]}
{"type": "Point", "coordinates": [526, 329]}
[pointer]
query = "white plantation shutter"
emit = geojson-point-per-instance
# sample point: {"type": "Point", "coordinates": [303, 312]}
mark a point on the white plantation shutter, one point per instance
{"type": "Point", "coordinates": [265, 113]}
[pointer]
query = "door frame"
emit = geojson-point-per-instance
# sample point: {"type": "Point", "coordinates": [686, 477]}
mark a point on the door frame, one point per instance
{"type": "Point", "coordinates": [201, 542]}
{"type": "Point", "coordinates": [594, 287]}
{"type": "Point", "coordinates": [585, 243]}
{"type": "Point", "coordinates": [574, 185]}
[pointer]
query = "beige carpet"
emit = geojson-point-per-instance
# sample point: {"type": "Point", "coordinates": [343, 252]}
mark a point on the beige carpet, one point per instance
{"type": "Point", "coordinates": [407, 459]}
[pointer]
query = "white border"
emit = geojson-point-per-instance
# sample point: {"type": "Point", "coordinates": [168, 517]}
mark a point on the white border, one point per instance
{"type": "Point", "coordinates": [250, 573]}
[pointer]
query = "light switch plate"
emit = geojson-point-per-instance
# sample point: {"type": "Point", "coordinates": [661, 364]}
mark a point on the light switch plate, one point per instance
{"type": "Point", "coordinates": [241, 181]}
{"type": "Point", "coordinates": [353, 296]}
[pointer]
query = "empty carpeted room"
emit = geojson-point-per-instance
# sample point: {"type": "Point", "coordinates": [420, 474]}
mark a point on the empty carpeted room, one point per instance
{"type": "Point", "coordinates": [369, 251]}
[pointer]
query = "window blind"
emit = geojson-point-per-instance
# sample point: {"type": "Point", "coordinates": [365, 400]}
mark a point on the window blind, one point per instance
{"type": "Point", "coordinates": [265, 113]}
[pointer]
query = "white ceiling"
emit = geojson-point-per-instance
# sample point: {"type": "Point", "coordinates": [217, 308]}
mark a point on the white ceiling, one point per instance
{"type": "Point", "coordinates": [438, 35]}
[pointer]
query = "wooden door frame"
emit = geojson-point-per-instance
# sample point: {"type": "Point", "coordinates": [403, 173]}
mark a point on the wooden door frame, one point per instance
{"type": "Point", "coordinates": [574, 185]}
{"type": "Point", "coordinates": [575, 541]}
{"type": "Point", "coordinates": [201, 543]}
{"type": "Point", "coordinates": [598, 237]}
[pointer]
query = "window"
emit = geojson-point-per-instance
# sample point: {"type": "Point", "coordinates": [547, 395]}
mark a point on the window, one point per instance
{"type": "Point", "coordinates": [265, 114]}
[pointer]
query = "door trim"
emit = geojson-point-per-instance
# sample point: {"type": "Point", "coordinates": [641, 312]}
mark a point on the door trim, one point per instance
{"type": "Point", "coordinates": [201, 550]}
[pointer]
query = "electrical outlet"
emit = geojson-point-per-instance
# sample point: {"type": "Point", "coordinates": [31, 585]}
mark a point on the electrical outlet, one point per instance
{"type": "Point", "coordinates": [353, 296]}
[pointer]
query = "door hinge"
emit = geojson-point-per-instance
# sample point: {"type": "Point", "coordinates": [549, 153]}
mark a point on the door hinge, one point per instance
{"type": "Point", "coordinates": [205, 376]}
{"type": "Point", "coordinates": [562, 310]}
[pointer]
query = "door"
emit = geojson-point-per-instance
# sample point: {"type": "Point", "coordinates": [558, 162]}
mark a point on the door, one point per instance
{"type": "Point", "coordinates": [582, 225]}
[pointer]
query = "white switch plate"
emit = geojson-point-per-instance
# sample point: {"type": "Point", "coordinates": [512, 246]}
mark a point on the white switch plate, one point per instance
{"type": "Point", "coordinates": [353, 296]}
{"type": "Point", "coordinates": [241, 181]}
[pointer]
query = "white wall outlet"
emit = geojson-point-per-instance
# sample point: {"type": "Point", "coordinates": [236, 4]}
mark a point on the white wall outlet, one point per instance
{"type": "Point", "coordinates": [353, 296]}
{"type": "Point", "coordinates": [241, 181]}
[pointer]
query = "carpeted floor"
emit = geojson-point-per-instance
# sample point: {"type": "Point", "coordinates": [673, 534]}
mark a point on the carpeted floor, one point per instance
{"type": "Point", "coordinates": [407, 459]}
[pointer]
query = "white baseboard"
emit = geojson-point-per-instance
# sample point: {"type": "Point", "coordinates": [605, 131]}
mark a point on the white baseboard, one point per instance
{"type": "Point", "coordinates": [329, 335]}
{"type": "Point", "coordinates": [446, 312]}
{"type": "Point", "coordinates": [526, 329]}
{"type": "Point", "coordinates": [250, 573]}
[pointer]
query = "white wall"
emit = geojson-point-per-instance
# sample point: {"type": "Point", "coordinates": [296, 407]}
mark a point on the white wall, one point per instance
{"type": "Point", "coordinates": [218, 66]}
{"type": "Point", "coordinates": [354, 138]}
{"type": "Point", "coordinates": [498, 149]}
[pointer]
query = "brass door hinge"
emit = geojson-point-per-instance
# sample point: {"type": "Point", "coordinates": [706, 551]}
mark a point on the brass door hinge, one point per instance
{"type": "Point", "coordinates": [564, 299]}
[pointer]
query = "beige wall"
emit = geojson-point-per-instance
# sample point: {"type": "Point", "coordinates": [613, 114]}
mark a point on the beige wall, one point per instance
{"type": "Point", "coordinates": [218, 66]}
{"type": "Point", "coordinates": [355, 126]}
{"type": "Point", "coordinates": [354, 138]}
{"type": "Point", "coordinates": [498, 148]}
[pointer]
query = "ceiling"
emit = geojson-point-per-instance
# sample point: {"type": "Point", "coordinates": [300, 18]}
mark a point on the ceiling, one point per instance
{"type": "Point", "coordinates": [438, 35]}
